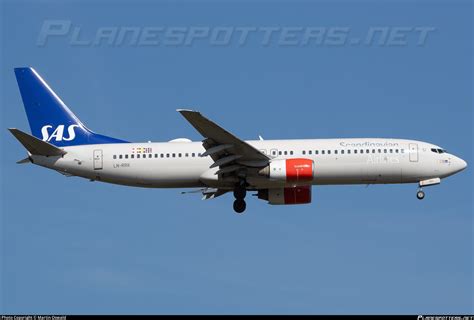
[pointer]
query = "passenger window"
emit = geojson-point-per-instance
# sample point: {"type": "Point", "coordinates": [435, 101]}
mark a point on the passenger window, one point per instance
{"type": "Point", "coordinates": [348, 151]}
{"type": "Point", "coordinates": [373, 150]}
{"type": "Point", "coordinates": [174, 155]}
{"type": "Point", "coordinates": [126, 156]}
{"type": "Point", "coordinates": [193, 154]}
{"type": "Point", "coordinates": [132, 156]}
{"type": "Point", "coordinates": [310, 152]}
{"type": "Point", "coordinates": [380, 150]}
{"type": "Point", "coordinates": [156, 155]}
{"type": "Point", "coordinates": [279, 153]}
{"type": "Point", "coordinates": [304, 152]}
{"type": "Point", "coordinates": [361, 151]}
{"type": "Point", "coordinates": [161, 155]}
{"type": "Point", "coordinates": [186, 155]}
{"type": "Point", "coordinates": [391, 150]}
{"type": "Point", "coordinates": [335, 151]}
{"type": "Point", "coordinates": [323, 152]}
{"type": "Point", "coordinates": [342, 151]}
{"type": "Point", "coordinates": [384, 150]}
{"type": "Point", "coordinates": [402, 150]}
{"type": "Point", "coordinates": [355, 150]}
{"type": "Point", "coordinates": [199, 155]}
{"type": "Point", "coordinates": [286, 152]}
{"type": "Point", "coordinates": [167, 155]}
{"type": "Point", "coordinates": [316, 151]}
{"type": "Point", "coordinates": [115, 157]}
{"type": "Point", "coordinates": [396, 150]}
{"type": "Point", "coordinates": [274, 152]}
{"type": "Point", "coordinates": [120, 156]}
{"type": "Point", "coordinates": [329, 151]}
{"type": "Point", "coordinates": [291, 152]}
{"type": "Point", "coordinates": [179, 155]}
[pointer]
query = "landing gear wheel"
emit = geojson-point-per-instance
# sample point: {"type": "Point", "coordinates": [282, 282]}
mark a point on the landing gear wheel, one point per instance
{"type": "Point", "coordinates": [239, 206]}
{"type": "Point", "coordinates": [420, 194]}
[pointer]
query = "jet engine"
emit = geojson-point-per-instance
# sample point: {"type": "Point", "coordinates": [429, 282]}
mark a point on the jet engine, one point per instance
{"type": "Point", "coordinates": [294, 195]}
{"type": "Point", "coordinates": [293, 170]}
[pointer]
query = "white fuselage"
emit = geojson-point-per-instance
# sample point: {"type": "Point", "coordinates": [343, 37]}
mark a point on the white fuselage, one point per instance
{"type": "Point", "coordinates": [178, 164]}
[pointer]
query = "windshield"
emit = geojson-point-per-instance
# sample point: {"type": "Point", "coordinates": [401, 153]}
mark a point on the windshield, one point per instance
{"type": "Point", "coordinates": [438, 150]}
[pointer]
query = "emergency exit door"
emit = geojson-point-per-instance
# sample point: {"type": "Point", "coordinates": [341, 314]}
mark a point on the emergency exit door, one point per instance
{"type": "Point", "coordinates": [413, 152]}
{"type": "Point", "coordinates": [98, 160]}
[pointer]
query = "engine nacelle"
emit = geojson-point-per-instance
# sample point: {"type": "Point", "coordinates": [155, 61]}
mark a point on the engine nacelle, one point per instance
{"type": "Point", "coordinates": [293, 170]}
{"type": "Point", "coordinates": [295, 195]}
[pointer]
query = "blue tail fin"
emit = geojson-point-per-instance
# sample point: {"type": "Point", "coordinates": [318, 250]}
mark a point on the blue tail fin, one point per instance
{"type": "Point", "coordinates": [49, 117]}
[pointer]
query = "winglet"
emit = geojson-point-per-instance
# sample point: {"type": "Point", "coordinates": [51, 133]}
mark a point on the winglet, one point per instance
{"type": "Point", "coordinates": [36, 146]}
{"type": "Point", "coordinates": [186, 110]}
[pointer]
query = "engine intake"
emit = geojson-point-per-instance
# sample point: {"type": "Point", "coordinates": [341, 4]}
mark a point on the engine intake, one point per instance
{"type": "Point", "coordinates": [293, 170]}
{"type": "Point", "coordinates": [295, 195]}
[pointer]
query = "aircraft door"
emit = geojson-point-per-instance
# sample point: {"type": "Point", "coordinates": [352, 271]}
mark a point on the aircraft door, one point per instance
{"type": "Point", "coordinates": [98, 160]}
{"type": "Point", "coordinates": [413, 152]}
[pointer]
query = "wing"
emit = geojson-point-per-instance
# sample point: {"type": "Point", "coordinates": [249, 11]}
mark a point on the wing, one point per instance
{"type": "Point", "coordinates": [228, 152]}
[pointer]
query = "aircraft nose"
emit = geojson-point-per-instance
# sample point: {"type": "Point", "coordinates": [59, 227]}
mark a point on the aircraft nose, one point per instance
{"type": "Point", "coordinates": [459, 164]}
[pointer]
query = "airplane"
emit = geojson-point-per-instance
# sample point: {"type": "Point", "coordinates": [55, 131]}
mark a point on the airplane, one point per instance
{"type": "Point", "coordinates": [280, 172]}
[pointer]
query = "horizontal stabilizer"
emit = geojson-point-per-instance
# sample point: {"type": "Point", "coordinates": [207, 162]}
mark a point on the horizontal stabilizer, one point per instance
{"type": "Point", "coordinates": [36, 146]}
{"type": "Point", "coordinates": [22, 161]}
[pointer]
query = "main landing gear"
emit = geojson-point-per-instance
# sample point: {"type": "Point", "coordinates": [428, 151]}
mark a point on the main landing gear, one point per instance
{"type": "Point", "coordinates": [239, 193]}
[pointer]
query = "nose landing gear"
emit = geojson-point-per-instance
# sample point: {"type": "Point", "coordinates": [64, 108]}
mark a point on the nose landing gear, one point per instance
{"type": "Point", "coordinates": [239, 193]}
{"type": "Point", "coordinates": [420, 194]}
{"type": "Point", "coordinates": [425, 183]}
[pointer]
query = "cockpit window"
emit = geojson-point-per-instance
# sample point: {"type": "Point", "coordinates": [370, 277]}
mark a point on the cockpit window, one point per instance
{"type": "Point", "coordinates": [437, 150]}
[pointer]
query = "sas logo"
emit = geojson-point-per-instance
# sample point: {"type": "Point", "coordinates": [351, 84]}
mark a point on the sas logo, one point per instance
{"type": "Point", "coordinates": [58, 133]}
